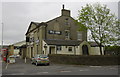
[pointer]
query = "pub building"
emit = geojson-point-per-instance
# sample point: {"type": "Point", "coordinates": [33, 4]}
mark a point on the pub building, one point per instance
{"type": "Point", "coordinates": [58, 36]}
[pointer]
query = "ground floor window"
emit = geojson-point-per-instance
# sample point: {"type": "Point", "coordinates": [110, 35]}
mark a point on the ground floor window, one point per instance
{"type": "Point", "coordinates": [70, 49]}
{"type": "Point", "coordinates": [59, 48]}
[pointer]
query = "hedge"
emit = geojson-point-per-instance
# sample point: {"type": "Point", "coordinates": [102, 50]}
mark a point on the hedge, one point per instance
{"type": "Point", "coordinates": [84, 59]}
{"type": "Point", "coordinates": [112, 50]}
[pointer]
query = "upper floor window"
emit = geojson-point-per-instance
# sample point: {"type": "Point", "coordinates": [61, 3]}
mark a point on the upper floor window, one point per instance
{"type": "Point", "coordinates": [66, 19]}
{"type": "Point", "coordinates": [79, 36]}
{"type": "Point", "coordinates": [32, 39]}
{"type": "Point", "coordinates": [67, 34]}
{"type": "Point", "coordinates": [66, 23]}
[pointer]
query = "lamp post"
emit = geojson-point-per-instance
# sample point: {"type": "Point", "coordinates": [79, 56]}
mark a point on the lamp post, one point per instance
{"type": "Point", "coordinates": [2, 41]}
{"type": "Point", "coordinates": [2, 38]}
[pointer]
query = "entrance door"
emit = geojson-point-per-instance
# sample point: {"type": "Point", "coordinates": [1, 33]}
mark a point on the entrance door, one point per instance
{"type": "Point", "coordinates": [52, 50]}
{"type": "Point", "coordinates": [85, 50]}
{"type": "Point", "coordinates": [31, 52]}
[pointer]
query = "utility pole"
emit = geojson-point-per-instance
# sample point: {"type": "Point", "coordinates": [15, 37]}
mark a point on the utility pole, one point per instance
{"type": "Point", "coordinates": [2, 40]}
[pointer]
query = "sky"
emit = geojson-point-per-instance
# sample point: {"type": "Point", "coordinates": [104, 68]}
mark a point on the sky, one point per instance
{"type": "Point", "coordinates": [17, 15]}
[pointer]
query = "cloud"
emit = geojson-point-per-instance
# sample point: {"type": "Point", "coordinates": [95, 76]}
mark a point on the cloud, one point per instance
{"type": "Point", "coordinates": [18, 15]}
{"type": "Point", "coordinates": [60, 0]}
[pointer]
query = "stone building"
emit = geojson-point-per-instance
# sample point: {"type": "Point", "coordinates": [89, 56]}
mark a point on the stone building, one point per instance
{"type": "Point", "coordinates": [57, 36]}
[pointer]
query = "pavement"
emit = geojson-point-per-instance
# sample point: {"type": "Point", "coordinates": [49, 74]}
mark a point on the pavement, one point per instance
{"type": "Point", "coordinates": [22, 68]}
{"type": "Point", "coordinates": [0, 66]}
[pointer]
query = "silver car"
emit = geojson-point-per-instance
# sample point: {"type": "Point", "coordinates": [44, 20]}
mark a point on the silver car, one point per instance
{"type": "Point", "coordinates": [40, 59]}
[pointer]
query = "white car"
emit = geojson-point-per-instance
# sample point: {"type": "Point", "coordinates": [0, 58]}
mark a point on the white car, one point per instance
{"type": "Point", "coordinates": [11, 59]}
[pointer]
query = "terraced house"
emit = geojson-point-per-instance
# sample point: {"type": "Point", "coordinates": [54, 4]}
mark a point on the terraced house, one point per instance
{"type": "Point", "coordinates": [58, 36]}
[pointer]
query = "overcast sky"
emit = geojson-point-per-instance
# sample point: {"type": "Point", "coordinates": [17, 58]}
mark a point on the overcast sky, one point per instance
{"type": "Point", "coordinates": [16, 16]}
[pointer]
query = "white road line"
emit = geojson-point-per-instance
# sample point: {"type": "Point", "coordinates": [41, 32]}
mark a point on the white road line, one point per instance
{"type": "Point", "coordinates": [113, 68]}
{"type": "Point", "coordinates": [17, 74]}
{"type": "Point", "coordinates": [84, 70]}
{"type": "Point", "coordinates": [6, 66]}
{"type": "Point", "coordinates": [65, 71]}
{"type": "Point", "coordinates": [95, 66]}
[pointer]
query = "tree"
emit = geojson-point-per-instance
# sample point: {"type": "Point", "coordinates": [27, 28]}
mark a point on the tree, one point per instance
{"type": "Point", "coordinates": [103, 25]}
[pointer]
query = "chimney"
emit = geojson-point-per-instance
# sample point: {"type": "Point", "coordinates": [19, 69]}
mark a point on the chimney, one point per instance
{"type": "Point", "coordinates": [65, 12]}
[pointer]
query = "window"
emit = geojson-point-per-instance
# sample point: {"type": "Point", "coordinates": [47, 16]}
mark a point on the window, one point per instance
{"type": "Point", "coordinates": [32, 39]}
{"type": "Point", "coordinates": [16, 47]}
{"type": "Point", "coordinates": [59, 48]}
{"type": "Point", "coordinates": [66, 19]}
{"type": "Point", "coordinates": [67, 34]}
{"type": "Point", "coordinates": [66, 23]}
{"type": "Point", "coordinates": [79, 36]}
{"type": "Point", "coordinates": [70, 49]}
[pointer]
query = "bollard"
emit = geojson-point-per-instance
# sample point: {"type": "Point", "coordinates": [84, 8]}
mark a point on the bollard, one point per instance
{"type": "Point", "coordinates": [25, 59]}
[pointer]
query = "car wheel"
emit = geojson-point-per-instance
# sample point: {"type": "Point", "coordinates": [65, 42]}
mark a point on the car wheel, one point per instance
{"type": "Point", "coordinates": [36, 64]}
{"type": "Point", "coordinates": [48, 64]}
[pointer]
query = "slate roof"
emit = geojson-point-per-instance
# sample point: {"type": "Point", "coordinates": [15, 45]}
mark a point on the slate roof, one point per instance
{"type": "Point", "coordinates": [63, 42]}
{"type": "Point", "coordinates": [94, 44]}
{"type": "Point", "coordinates": [37, 24]}
{"type": "Point", "coordinates": [68, 43]}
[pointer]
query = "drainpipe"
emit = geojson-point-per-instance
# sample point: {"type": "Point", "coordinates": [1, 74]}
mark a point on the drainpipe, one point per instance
{"type": "Point", "coordinates": [56, 49]}
{"type": "Point", "coordinates": [74, 51]}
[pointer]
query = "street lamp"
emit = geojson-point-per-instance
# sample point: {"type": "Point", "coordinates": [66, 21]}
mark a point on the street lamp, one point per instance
{"type": "Point", "coordinates": [2, 42]}
{"type": "Point", "coordinates": [2, 38]}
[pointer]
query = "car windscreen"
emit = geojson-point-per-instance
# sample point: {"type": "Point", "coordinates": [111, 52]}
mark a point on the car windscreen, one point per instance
{"type": "Point", "coordinates": [42, 56]}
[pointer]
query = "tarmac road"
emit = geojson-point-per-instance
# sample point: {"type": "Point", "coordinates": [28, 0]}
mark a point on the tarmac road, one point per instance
{"type": "Point", "coordinates": [21, 68]}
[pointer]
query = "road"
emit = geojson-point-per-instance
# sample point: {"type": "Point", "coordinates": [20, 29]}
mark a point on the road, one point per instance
{"type": "Point", "coordinates": [21, 68]}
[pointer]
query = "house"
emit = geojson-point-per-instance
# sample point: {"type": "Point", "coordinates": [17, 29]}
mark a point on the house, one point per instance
{"type": "Point", "coordinates": [58, 36]}
{"type": "Point", "coordinates": [17, 46]}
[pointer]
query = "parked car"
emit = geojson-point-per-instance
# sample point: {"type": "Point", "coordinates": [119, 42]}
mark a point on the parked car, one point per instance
{"type": "Point", "coordinates": [11, 59]}
{"type": "Point", "coordinates": [16, 56]}
{"type": "Point", "coordinates": [40, 59]}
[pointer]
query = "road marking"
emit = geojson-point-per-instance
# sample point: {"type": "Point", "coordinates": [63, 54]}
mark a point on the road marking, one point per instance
{"type": "Point", "coordinates": [6, 66]}
{"type": "Point", "coordinates": [17, 74]}
{"type": "Point", "coordinates": [84, 70]}
{"type": "Point", "coordinates": [95, 66]}
{"type": "Point", "coordinates": [44, 72]}
{"type": "Point", "coordinates": [65, 71]}
{"type": "Point", "coordinates": [113, 68]}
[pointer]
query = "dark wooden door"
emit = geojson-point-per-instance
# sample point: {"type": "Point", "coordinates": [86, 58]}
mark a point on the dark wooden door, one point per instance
{"type": "Point", "coordinates": [85, 50]}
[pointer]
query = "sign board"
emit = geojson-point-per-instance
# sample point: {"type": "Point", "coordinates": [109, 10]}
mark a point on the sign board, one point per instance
{"type": "Point", "coordinates": [54, 32]}
{"type": "Point", "coordinates": [37, 41]}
